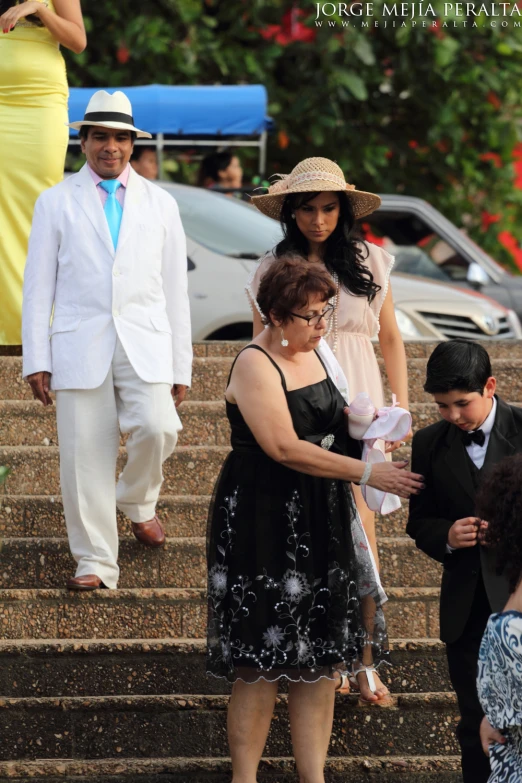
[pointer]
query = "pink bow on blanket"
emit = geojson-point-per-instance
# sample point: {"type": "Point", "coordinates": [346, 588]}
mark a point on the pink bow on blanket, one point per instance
{"type": "Point", "coordinates": [392, 424]}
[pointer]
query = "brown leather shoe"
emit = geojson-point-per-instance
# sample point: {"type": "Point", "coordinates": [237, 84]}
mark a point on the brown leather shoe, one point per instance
{"type": "Point", "coordinates": [87, 582]}
{"type": "Point", "coordinates": [149, 533]}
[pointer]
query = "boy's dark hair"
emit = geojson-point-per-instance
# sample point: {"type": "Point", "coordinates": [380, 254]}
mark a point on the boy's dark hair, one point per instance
{"type": "Point", "coordinates": [499, 502]}
{"type": "Point", "coordinates": [457, 365]}
{"type": "Point", "coordinates": [85, 130]}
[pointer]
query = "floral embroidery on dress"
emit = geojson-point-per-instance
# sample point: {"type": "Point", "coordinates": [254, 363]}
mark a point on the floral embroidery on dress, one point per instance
{"type": "Point", "coordinates": [298, 603]}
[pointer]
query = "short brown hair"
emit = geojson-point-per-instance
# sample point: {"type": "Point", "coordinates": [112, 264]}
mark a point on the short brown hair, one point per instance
{"type": "Point", "coordinates": [288, 284]}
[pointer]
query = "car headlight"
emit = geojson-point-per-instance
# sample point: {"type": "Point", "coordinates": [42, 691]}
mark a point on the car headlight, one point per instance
{"type": "Point", "coordinates": [406, 326]}
{"type": "Point", "coordinates": [514, 322]}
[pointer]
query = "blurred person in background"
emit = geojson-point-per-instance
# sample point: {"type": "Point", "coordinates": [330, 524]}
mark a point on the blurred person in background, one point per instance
{"type": "Point", "coordinates": [220, 170]}
{"type": "Point", "coordinates": [33, 131]}
{"type": "Point", "coordinates": [144, 161]}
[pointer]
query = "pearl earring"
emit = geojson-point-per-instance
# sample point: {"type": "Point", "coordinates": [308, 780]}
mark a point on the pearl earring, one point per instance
{"type": "Point", "coordinates": [293, 216]}
{"type": "Point", "coordinates": [284, 341]}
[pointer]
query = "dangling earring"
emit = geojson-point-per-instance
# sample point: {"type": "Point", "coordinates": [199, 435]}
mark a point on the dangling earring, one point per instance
{"type": "Point", "coordinates": [293, 216]}
{"type": "Point", "coordinates": [284, 341]}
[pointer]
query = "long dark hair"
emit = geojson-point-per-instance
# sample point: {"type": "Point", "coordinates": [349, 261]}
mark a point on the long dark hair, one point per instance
{"type": "Point", "coordinates": [341, 251]}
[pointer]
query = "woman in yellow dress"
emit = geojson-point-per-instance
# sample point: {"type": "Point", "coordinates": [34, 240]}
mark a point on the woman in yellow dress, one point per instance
{"type": "Point", "coordinates": [33, 129]}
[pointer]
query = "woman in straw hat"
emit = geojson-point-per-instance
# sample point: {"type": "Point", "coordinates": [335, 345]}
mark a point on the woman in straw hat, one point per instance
{"type": "Point", "coordinates": [318, 211]}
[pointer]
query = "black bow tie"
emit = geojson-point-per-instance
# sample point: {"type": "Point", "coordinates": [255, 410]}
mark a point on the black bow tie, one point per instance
{"type": "Point", "coordinates": [477, 436]}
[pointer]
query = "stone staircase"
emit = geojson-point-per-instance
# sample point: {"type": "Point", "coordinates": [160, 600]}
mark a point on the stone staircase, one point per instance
{"type": "Point", "coordinates": [110, 686]}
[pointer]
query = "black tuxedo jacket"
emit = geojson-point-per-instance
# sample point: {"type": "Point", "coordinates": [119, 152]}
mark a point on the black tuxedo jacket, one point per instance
{"type": "Point", "coordinates": [439, 454]}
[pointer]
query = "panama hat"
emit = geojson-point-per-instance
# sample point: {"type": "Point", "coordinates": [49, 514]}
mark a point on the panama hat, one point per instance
{"type": "Point", "coordinates": [310, 176]}
{"type": "Point", "coordinates": [110, 111]}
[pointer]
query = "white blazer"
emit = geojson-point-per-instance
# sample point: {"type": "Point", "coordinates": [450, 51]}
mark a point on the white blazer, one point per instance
{"type": "Point", "coordinates": [138, 292]}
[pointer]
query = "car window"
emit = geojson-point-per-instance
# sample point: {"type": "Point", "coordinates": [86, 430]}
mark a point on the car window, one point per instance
{"type": "Point", "coordinates": [418, 249]}
{"type": "Point", "coordinates": [224, 224]}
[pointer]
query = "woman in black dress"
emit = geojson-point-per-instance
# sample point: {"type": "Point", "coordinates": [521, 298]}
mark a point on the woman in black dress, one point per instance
{"type": "Point", "coordinates": [292, 590]}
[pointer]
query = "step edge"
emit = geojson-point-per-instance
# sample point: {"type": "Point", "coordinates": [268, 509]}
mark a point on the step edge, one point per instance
{"type": "Point", "coordinates": [219, 700]}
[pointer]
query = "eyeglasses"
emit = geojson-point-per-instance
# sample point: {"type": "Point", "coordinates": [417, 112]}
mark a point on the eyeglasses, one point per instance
{"type": "Point", "coordinates": [313, 320]}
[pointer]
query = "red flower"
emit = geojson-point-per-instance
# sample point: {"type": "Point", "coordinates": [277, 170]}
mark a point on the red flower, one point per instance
{"type": "Point", "coordinates": [290, 30]}
{"type": "Point", "coordinates": [282, 140]}
{"type": "Point", "coordinates": [494, 156]}
{"type": "Point", "coordinates": [388, 154]}
{"type": "Point", "coordinates": [413, 144]}
{"type": "Point", "coordinates": [488, 219]}
{"type": "Point", "coordinates": [435, 29]}
{"type": "Point", "coordinates": [507, 239]}
{"type": "Point", "coordinates": [370, 237]}
{"type": "Point", "coordinates": [517, 165]}
{"type": "Point", "coordinates": [122, 54]}
{"type": "Point", "coordinates": [494, 100]}
{"type": "Point", "coordinates": [269, 32]}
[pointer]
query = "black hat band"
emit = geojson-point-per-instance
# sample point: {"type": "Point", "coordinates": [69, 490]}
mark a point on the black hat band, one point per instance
{"type": "Point", "coordinates": [108, 116]}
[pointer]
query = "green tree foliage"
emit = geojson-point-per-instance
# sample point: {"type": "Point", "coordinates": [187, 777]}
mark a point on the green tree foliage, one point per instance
{"type": "Point", "coordinates": [432, 112]}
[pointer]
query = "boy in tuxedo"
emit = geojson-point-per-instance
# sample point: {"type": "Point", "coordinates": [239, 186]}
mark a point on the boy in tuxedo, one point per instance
{"type": "Point", "coordinates": [478, 429]}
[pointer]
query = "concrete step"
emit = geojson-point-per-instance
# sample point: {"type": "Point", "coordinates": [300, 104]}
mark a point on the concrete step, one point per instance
{"type": "Point", "coordinates": [185, 725]}
{"type": "Point", "coordinates": [162, 613]}
{"type": "Point", "coordinates": [210, 375]}
{"type": "Point", "coordinates": [192, 470]}
{"type": "Point", "coordinates": [28, 423]}
{"type": "Point", "coordinates": [138, 667]}
{"type": "Point", "coordinates": [497, 349]}
{"type": "Point", "coordinates": [24, 516]}
{"type": "Point", "coordinates": [25, 423]}
{"type": "Point", "coordinates": [339, 769]}
{"type": "Point", "coordinates": [46, 562]}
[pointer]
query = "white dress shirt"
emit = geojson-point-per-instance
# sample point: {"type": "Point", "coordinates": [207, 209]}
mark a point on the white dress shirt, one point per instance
{"type": "Point", "coordinates": [477, 453]}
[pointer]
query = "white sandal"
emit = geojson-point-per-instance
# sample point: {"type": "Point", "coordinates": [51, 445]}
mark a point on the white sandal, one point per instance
{"type": "Point", "coordinates": [369, 670]}
{"type": "Point", "coordinates": [344, 679]}
{"type": "Point", "coordinates": [387, 701]}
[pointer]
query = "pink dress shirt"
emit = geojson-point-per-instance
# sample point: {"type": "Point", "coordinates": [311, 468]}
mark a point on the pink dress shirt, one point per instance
{"type": "Point", "coordinates": [120, 193]}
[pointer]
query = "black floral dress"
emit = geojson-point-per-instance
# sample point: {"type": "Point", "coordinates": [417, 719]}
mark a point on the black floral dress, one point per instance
{"type": "Point", "coordinates": [292, 591]}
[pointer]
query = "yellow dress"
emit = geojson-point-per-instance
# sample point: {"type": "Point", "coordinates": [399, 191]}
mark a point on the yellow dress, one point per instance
{"type": "Point", "coordinates": [33, 143]}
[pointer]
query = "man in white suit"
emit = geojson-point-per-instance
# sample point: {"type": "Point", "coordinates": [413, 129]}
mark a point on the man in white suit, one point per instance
{"type": "Point", "coordinates": [107, 259]}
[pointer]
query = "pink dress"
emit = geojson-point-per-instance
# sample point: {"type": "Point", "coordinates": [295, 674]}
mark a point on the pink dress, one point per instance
{"type": "Point", "coordinates": [357, 323]}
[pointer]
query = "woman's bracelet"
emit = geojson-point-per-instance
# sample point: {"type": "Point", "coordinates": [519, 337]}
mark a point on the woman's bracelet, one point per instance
{"type": "Point", "coordinates": [366, 474]}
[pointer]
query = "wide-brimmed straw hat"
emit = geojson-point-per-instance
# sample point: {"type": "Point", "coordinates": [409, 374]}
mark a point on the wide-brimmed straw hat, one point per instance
{"type": "Point", "coordinates": [310, 176]}
{"type": "Point", "coordinates": [110, 111]}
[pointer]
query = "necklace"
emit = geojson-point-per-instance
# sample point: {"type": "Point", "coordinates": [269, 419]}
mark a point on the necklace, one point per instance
{"type": "Point", "coordinates": [333, 322]}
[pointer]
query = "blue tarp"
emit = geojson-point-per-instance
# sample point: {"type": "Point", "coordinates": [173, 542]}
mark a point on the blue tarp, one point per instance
{"type": "Point", "coordinates": [227, 110]}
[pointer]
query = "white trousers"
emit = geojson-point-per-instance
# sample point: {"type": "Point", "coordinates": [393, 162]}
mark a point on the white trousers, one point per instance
{"type": "Point", "coordinates": [89, 438]}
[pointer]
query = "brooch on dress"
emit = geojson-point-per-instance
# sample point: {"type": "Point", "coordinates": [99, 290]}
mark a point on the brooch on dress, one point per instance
{"type": "Point", "coordinates": [327, 441]}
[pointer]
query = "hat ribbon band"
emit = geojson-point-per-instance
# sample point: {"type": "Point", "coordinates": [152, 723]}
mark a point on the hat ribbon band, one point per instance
{"type": "Point", "coordinates": [312, 176]}
{"type": "Point", "coordinates": [108, 116]}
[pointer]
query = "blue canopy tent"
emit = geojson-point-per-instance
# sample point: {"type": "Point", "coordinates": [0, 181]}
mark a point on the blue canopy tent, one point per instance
{"type": "Point", "coordinates": [196, 115]}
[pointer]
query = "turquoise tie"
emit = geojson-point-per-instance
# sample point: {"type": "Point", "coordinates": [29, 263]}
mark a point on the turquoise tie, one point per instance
{"type": "Point", "coordinates": [113, 209]}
